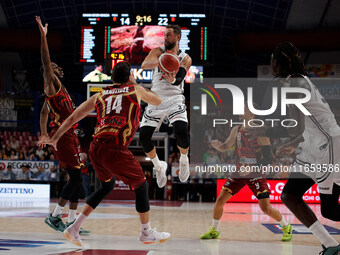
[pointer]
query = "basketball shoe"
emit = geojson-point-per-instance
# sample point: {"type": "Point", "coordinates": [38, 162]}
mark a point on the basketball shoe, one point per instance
{"type": "Point", "coordinates": [335, 250]}
{"type": "Point", "coordinates": [55, 223]}
{"type": "Point", "coordinates": [161, 174]}
{"type": "Point", "coordinates": [82, 231]}
{"type": "Point", "coordinates": [154, 237]}
{"type": "Point", "coordinates": [184, 172]}
{"type": "Point", "coordinates": [211, 234]}
{"type": "Point", "coordinates": [73, 236]}
{"type": "Point", "coordinates": [287, 233]}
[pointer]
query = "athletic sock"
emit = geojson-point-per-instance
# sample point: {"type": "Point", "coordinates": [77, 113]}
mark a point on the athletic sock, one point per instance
{"type": "Point", "coordinates": [283, 222]}
{"type": "Point", "coordinates": [145, 228]}
{"type": "Point", "coordinates": [71, 215]}
{"type": "Point", "coordinates": [79, 221]}
{"type": "Point", "coordinates": [57, 210]}
{"type": "Point", "coordinates": [156, 162]}
{"type": "Point", "coordinates": [321, 233]}
{"type": "Point", "coordinates": [183, 156]}
{"type": "Point", "coordinates": [216, 224]}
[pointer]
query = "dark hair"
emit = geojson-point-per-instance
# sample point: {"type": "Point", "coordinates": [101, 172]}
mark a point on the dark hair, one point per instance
{"type": "Point", "coordinates": [176, 28]}
{"type": "Point", "coordinates": [121, 72]}
{"type": "Point", "coordinates": [288, 59]}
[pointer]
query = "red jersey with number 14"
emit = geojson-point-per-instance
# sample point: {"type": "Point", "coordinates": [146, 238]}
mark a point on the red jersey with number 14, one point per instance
{"type": "Point", "coordinates": [118, 114]}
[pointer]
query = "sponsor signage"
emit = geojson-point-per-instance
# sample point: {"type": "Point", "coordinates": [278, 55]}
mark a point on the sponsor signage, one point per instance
{"type": "Point", "coordinates": [16, 165]}
{"type": "Point", "coordinates": [245, 195]}
{"type": "Point", "coordinates": [24, 190]}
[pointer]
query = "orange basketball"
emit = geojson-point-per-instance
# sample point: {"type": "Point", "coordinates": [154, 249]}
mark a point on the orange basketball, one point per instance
{"type": "Point", "coordinates": [168, 62]}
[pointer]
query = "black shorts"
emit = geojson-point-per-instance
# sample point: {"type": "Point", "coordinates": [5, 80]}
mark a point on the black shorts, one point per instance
{"type": "Point", "coordinates": [298, 184]}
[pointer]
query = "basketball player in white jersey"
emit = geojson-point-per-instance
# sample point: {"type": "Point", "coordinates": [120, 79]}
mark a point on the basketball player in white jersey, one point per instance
{"type": "Point", "coordinates": [170, 87]}
{"type": "Point", "coordinates": [318, 136]}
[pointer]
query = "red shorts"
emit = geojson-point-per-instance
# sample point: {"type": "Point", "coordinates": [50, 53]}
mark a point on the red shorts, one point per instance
{"type": "Point", "coordinates": [111, 160]}
{"type": "Point", "coordinates": [69, 151]}
{"type": "Point", "coordinates": [257, 185]}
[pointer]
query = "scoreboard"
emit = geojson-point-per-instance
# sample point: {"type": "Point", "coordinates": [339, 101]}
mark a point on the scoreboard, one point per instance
{"type": "Point", "coordinates": [107, 38]}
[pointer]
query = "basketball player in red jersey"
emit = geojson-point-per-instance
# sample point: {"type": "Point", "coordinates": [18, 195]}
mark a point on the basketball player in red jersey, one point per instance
{"type": "Point", "coordinates": [59, 105]}
{"type": "Point", "coordinates": [118, 114]}
{"type": "Point", "coordinates": [248, 153]}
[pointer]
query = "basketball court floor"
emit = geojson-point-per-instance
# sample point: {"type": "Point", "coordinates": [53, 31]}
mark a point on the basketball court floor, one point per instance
{"type": "Point", "coordinates": [115, 228]}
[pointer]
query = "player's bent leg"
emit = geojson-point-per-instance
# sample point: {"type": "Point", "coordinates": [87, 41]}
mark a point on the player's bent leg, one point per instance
{"type": "Point", "coordinates": [266, 207]}
{"type": "Point", "coordinates": [54, 219]}
{"type": "Point", "coordinates": [147, 235]}
{"type": "Point", "coordinates": [292, 197]}
{"type": "Point", "coordinates": [330, 207]}
{"type": "Point", "coordinates": [73, 211]}
{"type": "Point", "coordinates": [145, 135]}
{"type": "Point", "coordinates": [182, 138]}
{"type": "Point", "coordinates": [98, 195]}
{"type": "Point", "coordinates": [213, 231]}
{"type": "Point", "coordinates": [73, 231]}
{"type": "Point", "coordinates": [160, 167]}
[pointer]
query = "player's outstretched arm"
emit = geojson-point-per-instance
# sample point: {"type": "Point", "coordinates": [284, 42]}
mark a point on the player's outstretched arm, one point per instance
{"type": "Point", "coordinates": [151, 60]}
{"type": "Point", "coordinates": [52, 84]}
{"type": "Point", "coordinates": [147, 96]}
{"type": "Point", "coordinates": [81, 112]}
{"type": "Point", "coordinates": [228, 143]}
{"type": "Point", "coordinates": [43, 123]}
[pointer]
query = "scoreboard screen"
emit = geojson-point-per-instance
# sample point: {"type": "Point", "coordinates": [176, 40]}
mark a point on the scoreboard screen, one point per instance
{"type": "Point", "coordinates": [108, 38]}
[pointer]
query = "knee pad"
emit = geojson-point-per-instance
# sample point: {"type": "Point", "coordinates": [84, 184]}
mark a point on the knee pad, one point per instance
{"type": "Point", "coordinates": [181, 133]}
{"type": "Point", "coordinates": [98, 195]}
{"type": "Point", "coordinates": [142, 198]}
{"type": "Point", "coordinates": [145, 135]}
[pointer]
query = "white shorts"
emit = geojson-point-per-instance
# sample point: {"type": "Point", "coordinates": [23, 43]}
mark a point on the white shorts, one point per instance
{"type": "Point", "coordinates": [322, 160]}
{"type": "Point", "coordinates": [172, 107]}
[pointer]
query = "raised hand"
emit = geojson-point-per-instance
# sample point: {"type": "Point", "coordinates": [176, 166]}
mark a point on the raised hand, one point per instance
{"type": "Point", "coordinates": [43, 29]}
{"type": "Point", "coordinates": [216, 144]}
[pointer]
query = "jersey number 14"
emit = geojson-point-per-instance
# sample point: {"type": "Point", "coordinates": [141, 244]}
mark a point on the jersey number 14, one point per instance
{"type": "Point", "coordinates": [117, 104]}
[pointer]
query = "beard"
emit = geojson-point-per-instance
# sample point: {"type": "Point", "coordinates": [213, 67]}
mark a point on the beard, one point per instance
{"type": "Point", "coordinates": [169, 46]}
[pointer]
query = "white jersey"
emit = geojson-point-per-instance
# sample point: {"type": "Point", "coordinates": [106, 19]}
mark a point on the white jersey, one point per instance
{"type": "Point", "coordinates": [321, 121]}
{"type": "Point", "coordinates": [162, 86]}
{"type": "Point", "coordinates": [321, 143]}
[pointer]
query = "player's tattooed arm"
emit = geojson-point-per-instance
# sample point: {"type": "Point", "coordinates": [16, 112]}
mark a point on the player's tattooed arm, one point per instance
{"type": "Point", "coordinates": [177, 78]}
{"type": "Point", "coordinates": [228, 143]}
{"type": "Point", "coordinates": [52, 84]}
{"type": "Point", "coordinates": [186, 63]}
{"type": "Point", "coordinates": [151, 60]}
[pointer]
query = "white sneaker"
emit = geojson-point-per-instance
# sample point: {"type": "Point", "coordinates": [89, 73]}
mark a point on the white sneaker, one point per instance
{"type": "Point", "coordinates": [154, 237]}
{"type": "Point", "coordinates": [161, 174]}
{"type": "Point", "coordinates": [73, 236]}
{"type": "Point", "coordinates": [184, 172]}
